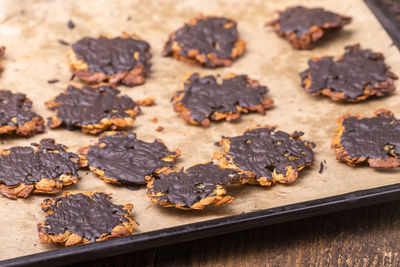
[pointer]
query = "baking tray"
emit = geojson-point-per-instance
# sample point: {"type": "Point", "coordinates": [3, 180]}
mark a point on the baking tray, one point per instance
{"type": "Point", "coordinates": [208, 228]}
{"type": "Point", "coordinates": [270, 59]}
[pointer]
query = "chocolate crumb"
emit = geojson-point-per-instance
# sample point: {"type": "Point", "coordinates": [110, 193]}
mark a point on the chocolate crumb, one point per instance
{"type": "Point", "coordinates": [53, 81]}
{"type": "Point", "coordinates": [71, 24]}
{"type": "Point", "coordinates": [159, 128]}
{"type": "Point", "coordinates": [321, 168]}
{"type": "Point", "coordinates": [63, 42]}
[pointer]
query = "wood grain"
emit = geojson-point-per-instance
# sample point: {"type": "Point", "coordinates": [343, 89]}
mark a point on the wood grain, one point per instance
{"type": "Point", "coordinates": [361, 237]}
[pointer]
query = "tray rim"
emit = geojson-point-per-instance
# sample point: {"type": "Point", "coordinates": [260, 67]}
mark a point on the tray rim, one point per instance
{"type": "Point", "coordinates": [224, 225]}
{"type": "Point", "coordinates": [208, 228]}
{"type": "Point", "coordinates": [385, 19]}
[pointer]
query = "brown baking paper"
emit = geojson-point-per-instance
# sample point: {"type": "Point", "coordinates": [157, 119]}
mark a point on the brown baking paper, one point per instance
{"type": "Point", "coordinates": [31, 29]}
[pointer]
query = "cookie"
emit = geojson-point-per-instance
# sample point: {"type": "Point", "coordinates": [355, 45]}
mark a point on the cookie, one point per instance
{"type": "Point", "coordinates": [209, 41]}
{"type": "Point", "coordinates": [303, 27]}
{"type": "Point", "coordinates": [93, 109]}
{"type": "Point", "coordinates": [204, 98]}
{"type": "Point", "coordinates": [355, 76]}
{"type": "Point", "coordinates": [117, 60]}
{"type": "Point", "coordinates": [81, 218]}
{"type": "Point", "coordinates": [2, 52]}
{"type": "Point", "coordinates": [264, 155]}
{"type": "Point", "coordinates": [121, 158]}
{"type": "Point", "coordinates": [375, 140]}
{"type": "Point", "coordinates": [46, 169]}
{"type": "Point", "coordinates": [16, 116]}
{"type": "Point", "coordinates": [193, 188]}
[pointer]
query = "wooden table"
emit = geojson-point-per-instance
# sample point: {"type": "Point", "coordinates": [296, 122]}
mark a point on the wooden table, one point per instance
{"type": "Point", "coordinates": [361, 237]}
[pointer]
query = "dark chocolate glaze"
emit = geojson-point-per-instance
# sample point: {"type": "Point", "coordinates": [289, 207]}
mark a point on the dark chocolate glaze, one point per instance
{"type": "Point", "coordinates": [262, 150]}
{"type": "Point", "coordinates": [350, 74]}
{"type": "Point", "coordinates": [112, 56]}
{"type": "Point", "coordinates": [127, 159]}
{"type": "Point", "coordinates": [203, 95]}
{"type": "Point", "coordinates": [367, 137]}
{"type": "Point", "coordinates": [88, 217]}
{"type": "Point", "coordinates": [299, 20]}
{"type": "Point", "coordinates": [25, 165]}
{"type": "Point", "coordinates": [208, 35]}
{"type": "Point", "coordinates": [15, 105]}
{"type": "Point", "coordinates": [89, 105]}
{"type": "Point", "coordinates": [196, 183]}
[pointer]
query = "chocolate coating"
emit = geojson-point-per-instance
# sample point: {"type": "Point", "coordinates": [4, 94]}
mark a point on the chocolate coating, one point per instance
{"type": "Point", "coordinates": [89, 105]}
{"type": "Point", "coordinates": [88, 217]}
{"type": "Point", "coordinates": [264, 150]}
{"type": "Point", "coordinates": [196, 183]}
{"type": "Point", "coordinates": [25, 165]}
{"type": "Point", "coordinates": [15, 105]}
{"type": "Point", "coordinates": [112, 56]}
{"type": "Point", "coordinates": [127, 159]}
{"type": "Point", "coordinates": [203, 96]}
{"type": "Point", "coordinates": [207, 35]}
{"type": "Point", "coordinates": [299, 20]}
{"type": "Point", "coordinates": [368, 137]}
{"type": "Point", "coordinates": [350, 74]}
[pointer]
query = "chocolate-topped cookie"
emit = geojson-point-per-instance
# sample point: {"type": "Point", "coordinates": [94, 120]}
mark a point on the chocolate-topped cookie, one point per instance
{"type": "Point", "coordinates": [355, 76]}
{"type": "Point", "coordinates": [204, 98]}
{"type": "Point", "coordinates": [16, 117]}
{"type": "Point", "coordinates": [193, 188]}
{"type": "Point", "coordinates": [375, 140]}
{"type": "Point", "coordinates": [119, 157]}
{"type": "Point", "coordinates": [263, 155]}
{"type": "Point", "coordinates": [303, 27]}
{"type": "Point", "coordinates": [46, 169]}
{"type": "Point", "coordinates": [112, 60]}
{"type": "Point", "coordinates": [206, 40]}
{"type": "Point", "coordinates": [93, 109]}
{"type": "Point", "coordinates": [2, 53]}
{"type": "Point", "coordinates": [84, 217]}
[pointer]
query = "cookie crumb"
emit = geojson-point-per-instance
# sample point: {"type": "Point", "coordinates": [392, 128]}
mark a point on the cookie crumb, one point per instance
{"type": "Point", "coordinates": [159, 128]}
{"type": "Point", "coordinates": [154, 120]}
{"type": "Point", "coordinates": [148, 101]}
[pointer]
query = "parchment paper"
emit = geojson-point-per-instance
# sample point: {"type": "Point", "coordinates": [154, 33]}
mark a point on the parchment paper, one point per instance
{"type": "Point", "coordinates": [31, 29]}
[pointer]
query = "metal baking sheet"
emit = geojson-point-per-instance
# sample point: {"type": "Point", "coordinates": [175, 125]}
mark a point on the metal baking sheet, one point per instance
{"type": "Point", "coordinates": [31, 31]}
